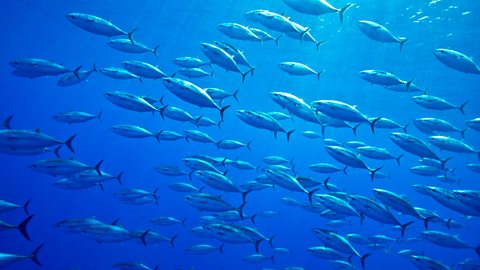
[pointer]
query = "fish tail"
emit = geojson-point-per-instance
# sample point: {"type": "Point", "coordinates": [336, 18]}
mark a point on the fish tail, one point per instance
{"type": "Point", "coordinates": [303, 33]}
{"type": "Point", "coordinates": [477, 249]}
{"type": "Point", "coordinates": [161, 110]}
{"type": "Point", "coordinates": [244, 75]}
{"type": "Point", "coordinates": [94, 67]}
{"type": "Point", "coordinates": [197, 120]}
{"type": "Point", "coordinates": [97, 167]}
{"type": "Point", "coordinates": [404, 227]}
{"type": "Point", "coordinates": [323, 129]}
{"type": "Point", "coordinates": [342, 11]}
{"type": "Point", "coordinates": [75, 72]}
{"type": "Point", "coordinates": [68, 143]}
{"type": "Point", "coordinates": [6, 122]}
{"type": "Point", "coordinates": [270, 240]}
{"type": "Point", "coordinates": [119, 177]}
{"type": "Point", "coordinates": [462, 107]}
{"type": "Point", "coordinates": [240, 209]}
{"type": "Point", "coordinates": [251, 70]}
{"type": "Point", "coordinates": [325, 183]}
{"type": "Point", "coordinates": [318, 43]}
{"type": "Point", "coordinates": [373, 172]}
{"type": "Point", "coordinates": [219, 124]}
{"type": "Point", "coordinates": [22, 227]}
{"type": "Point", "coordinates": [252, 218]}
{"type": "Point", "coordinates": [235, 94]}
{"type": "Point", "coordinates": [373, 122]}
{"type": "Point", "coordinates": [130, 35]}
{"type": "Point", "coordinates": [363, 258]}
{"type": "Point", "coordinates": [34, 255]}
{"type": "Point", "coordinates": [143, 237]}
{"type": "Point", "coordinates": [462, 132]}
{"type": "Point", "coordinates": [310, 194]}
{"type": "Point", "coordinates": [220, 248]}
{"type": "Point", "coordinates": [402, 42]}
{"type": "Point", "coordinates": [222, 111]}
{"type": "Point", "coordinates": [101, 186]}
{"type": "Point", "coordinates": [444, 162]}
{"type": "Point", "coordinates": [160, 100]}
{"type": "Point", "coordinates": [172, 240]}
{"type": "Point", "coordinates": [248, 145]}
{"type": "Point", "coordinates": [427, 220]}
{"type": "Point", "coordinates": [289, 134]}
{"type": "Point", "coordinates": [398, 159]}
{"type": "Point", "coordinates": [25, 206]}
{"type": "Point", "coordinates": [277, 38]}
{"type": "Point", "coordinates": [405, 128]}
{"type": "Point", "coordinates": [354, 129]}
{"type": "Point", "coordinates": [272, 258]}
{"type": "Point", "coordinates": [155, 50]}
{"type": "Point", "coordinates": [345, 170]}
{"type": "Point", "coordinates": [99, 116]}
{"type": "Point", "coordinates": [244, 196]}
{"type": "Point", "coordinates": [256, 244]}
{"type": "Point", "coordinates": [409, 83]}
{"type": "Point", "coordinates": [319, 73]}
{"type": "Point", "coordinates": [57, 151]}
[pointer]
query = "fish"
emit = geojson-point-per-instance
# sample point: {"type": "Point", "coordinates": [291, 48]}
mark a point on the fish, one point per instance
{"type": "Point", "coordinates": [176, 113]}
{"type": "Point", "coordinates": [130, 45]}
{"type": "Point", "coordinates": [385, 123]}
{"type": "Point", "coordinates": [350, 159]}
{"type": "Point", "coordinates": [18, 139]}
{"type": "Point", "coordinates": [258, 258]}
{"type": "Point", "coordinates": [130, 101]}
{"type": "Point", "coordinates": [436, 103]}
{"type": "Point", "coordinates": [473, 124]}
{"type": "Point", "coordinates": [237, 55]}
{"type": "Point", "coordinates": [170, 170]}
{"type": "Point", "coordinates": [39, 67]}
{"type": "Point", "coordinates": [396, 202]}
{"type": "Point", "coordinates": [204, 249]}
{"type": "Point", "coordinates": [372, 209]}
{"type": "Point", "coordinates": [192, 94]}
{"type": "Point", "coordinates": [456, 60]}
{"type": "Point", "coordinates": [7, 259]}
{"type": "Point", "coordinates": [6, 206]}
{"type": "Point", "coordinates": [295, 106]}
{"type": "Point", "coordinates": [21, 227]}
{"type": "Point", "coordinates": [72, 117]}
{"type": "Point", "coordinates": [413, 145]}
{"type": "Point", "coordinates": [437, 124]}
{"type": "Point", "coordinates": [383, 78]}
{"type": "Point", "coordinates": [217, 181]}
{"type": "Point", "coordinates": [66, 167]}
{"type": "Point", "coordinates": [193, 73]}
{"type": "Point", "coordinates": [274, 21]}
{"type": "Point", "coordinates": [316, 7]}
{"type": "Point", "coordinates": [469, 197]}
{"type": "Point", "coordinates": [326, 253]}
{"type": "Point", "coordinates": [237, 31]}
{"type": "Point", "coordinates": [167, 221]}
{"type": "Point", "coordinates": [132, 266]}
{"type": "Point", "coordinates": [184, 187]}
{"type": "Point", "coordinates": [422, 262]}
{"type": "Point", "coordinates": [379, 32]}
{"type": "Point", "coordinates": [97, 25]}
{"type": "Point", "coordinates": [336, 204]}
{"type": "Point", "coordinates": [119, 73]}
{"type": "Point", "coordinates": [452, 145]}
{"type": "Point", "coordinates": [262, 120]}
{"type": "Point", "coordinates": [143, 69]}
{"type": "Point", "coordinates": [220, 94]}
{"type": "Point", "coordinates": [131, 131]}
{"type": "Point", "coordinates": [198, 136]}
{"type": "Point", "coordinates": [448, 199]}
{"type": "Point", "coordinates": [207, 202]}
{"type": "Point", "coordinates": [232, 144]}
{"type": "Point", "coordinates": [299, 69]}
{"type": "Point", "coordinates": [377, 153]}
{"type": "Point", "coordinates": [339, 243]}
{"type": "Point", "coordinates": [342, 111]}
{"type": "Point", "coordinates": [447, 240]}
{"type": "Point", "coordinates": [76, 76]}
{"type": "Point", "coordinates": [219, 57]}
{"type": "Point", "coordinates": [190, 62]}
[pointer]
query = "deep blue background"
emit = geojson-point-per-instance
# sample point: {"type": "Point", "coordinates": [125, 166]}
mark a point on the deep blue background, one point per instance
{"type": "Point", "coordinates": [40, 29]}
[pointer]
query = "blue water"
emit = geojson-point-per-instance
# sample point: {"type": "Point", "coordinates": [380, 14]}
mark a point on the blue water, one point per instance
{"type": "Point", "coordinates": [39, 29]}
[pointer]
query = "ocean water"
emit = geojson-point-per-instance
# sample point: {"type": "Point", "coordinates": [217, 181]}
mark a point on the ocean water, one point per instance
{"type": "Point", "coordinates": [39, 29]}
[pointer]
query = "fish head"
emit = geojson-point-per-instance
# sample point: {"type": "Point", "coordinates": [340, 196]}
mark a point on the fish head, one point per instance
{"type": "Point", "coordinates": [188, 198]}
{"type": "Point", "coordinates": [440, 52]}
{"type": "Point", "coordinates": [72, 16]}
{"type": "Point", "coordinates": [207, 46]}
{"type": "Point", "coordinates": [254, 15]}
{"type": "Point", "coordinates": [396, 136]}
{"type": "Point", "coordinates": [224, 27]}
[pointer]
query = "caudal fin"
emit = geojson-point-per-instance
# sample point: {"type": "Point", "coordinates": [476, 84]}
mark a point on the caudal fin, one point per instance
{"type": "Point", "coordinates": [426, 221]}
{"type": "Point", "coordinates": [317, 44]}
{"type": "Point", "coordinates": [22, 227]}
{"type": "Point", "coordinates": [172, 240]}
{"type": "Point", "coordinates": [462, 107]}
{"type": "Point", "coordinates": [270, 240]}
{"type": "Point", "coordinates": [235, 94]}
{"type": "Point", "coordinates": [143, 237]}
{"type": "Point", "coordinates": [75, 72]}
{"type": "Point", "coordinates": [373, 122]}
{"type": "Point", "coordinates": [97, 167]}
{"type": "Point", "coordinates": [402, 42]}
{"type": "Point", "coordinates": [405, 128]}
{"type": "Point", "coordinates": [398, 159]}
{"type": "Point", "coordinates": [68, 143]}
{"type": "Point", "coordinates": [342, 11]}
{"type": "Point", "coordinates": [155, 50]}
{"type": "Point", "coordinates": [310, 194]}
{"type": "Point", "coordinates": [404, 227]}
{"type": "Point", "coordinates": [34, 255]}
{"type": "Point", "coordinates": [289, 134]}
{"type": "Point", "coordinates": [373, 172]}
{"type": "Point", "coordinates": [354, 129]}
{"type": "Point", "coordinates": [363, 258]}
{"type": "Point", "coordinates": [222, 111]}
{"type": "Point", "coordinates": [477, 249]}
{"type": "Point", "coordinates": [319, 73]}
{"type": "Point", "coordinates": [6, 122]}
{"type": "Point", "coordinates": [130, 35]}
{"type": "Point", "coordinates": [25, 206]}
